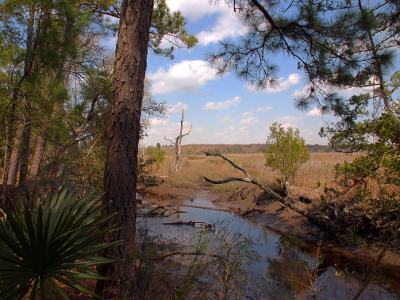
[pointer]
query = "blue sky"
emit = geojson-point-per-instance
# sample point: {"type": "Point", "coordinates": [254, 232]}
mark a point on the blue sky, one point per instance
{"type": "Point", "coordinates": [223, 109]}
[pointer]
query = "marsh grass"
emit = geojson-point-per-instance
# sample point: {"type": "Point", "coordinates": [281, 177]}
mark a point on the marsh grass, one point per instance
{"type": "Point", "coordinates": [319, 171]}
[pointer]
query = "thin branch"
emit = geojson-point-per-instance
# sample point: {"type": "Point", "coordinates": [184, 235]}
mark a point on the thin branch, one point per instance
{"type": "Point", "coordinates": [164, 255]}
{"type": "Point", "coordinates": [323, 224]}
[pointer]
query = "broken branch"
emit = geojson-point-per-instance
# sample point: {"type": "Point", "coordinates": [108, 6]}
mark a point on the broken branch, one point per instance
{"type": "Point", "coordinates": [325, 225]}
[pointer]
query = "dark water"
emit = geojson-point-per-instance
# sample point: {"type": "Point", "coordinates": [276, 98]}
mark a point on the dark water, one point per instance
{"type": "Point", "coordinates": [335, 278]}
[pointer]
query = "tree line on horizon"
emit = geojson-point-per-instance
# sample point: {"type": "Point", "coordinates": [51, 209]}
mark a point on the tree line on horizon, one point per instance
{"type": "Point", "coordinates": [64, 95]}
{"type": "Point", "coordinates": [199, 149]}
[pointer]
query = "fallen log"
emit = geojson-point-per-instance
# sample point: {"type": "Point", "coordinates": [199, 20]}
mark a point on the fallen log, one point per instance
{"type": "Point", "coordinates": [204, 225]}
{"type": "Point", "coordinates": [153, 211]}
{"type": "Point", "coordinates": [176, 211]}
{"type": "Point", "coordinates": [323, 224]}
{"type": "Point", "coordinates": [165, 255]}
{"type": "Point", "coordinates": [204, 207]}
{"type": "Point", "coordinates": [192, 223]}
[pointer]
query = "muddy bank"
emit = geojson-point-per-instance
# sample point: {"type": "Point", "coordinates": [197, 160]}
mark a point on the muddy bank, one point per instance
{"type": "Point", "coordinates": [285, 220]}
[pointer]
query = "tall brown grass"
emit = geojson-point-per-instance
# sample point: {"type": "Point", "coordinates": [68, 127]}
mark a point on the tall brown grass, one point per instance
{"type": "Point", "coordinates": [318, 171]}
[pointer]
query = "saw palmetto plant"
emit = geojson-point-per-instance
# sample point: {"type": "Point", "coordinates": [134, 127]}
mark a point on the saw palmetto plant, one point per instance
{"type": "Point", "coordinates": [48, 244]}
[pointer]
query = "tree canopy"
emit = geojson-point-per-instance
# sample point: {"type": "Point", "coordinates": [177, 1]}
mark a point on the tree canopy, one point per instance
{"type": "Point", "coordinates": [338, 44]}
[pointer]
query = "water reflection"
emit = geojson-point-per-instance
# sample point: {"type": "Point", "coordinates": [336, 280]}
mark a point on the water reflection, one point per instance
{"type": "Point", "coordinates": [299, 272]}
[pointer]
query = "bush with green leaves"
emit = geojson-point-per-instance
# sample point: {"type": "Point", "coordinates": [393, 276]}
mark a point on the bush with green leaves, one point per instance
{"type": "Point", "coordinates": [51, 243]}
{"type": "Point", "coordinates": [286, 151]}
{"type": "Point", "coordinates": [373, 178]}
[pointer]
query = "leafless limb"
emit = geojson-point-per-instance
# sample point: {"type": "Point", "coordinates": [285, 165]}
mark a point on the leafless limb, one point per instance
{"type": "Point", "coordinates": [178, 143]}
{"type": "Point", "coordinates": [322, 223]}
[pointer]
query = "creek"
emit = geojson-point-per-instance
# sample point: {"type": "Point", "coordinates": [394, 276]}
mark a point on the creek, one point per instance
{"type": "Point", "coordinates": [292, 271]}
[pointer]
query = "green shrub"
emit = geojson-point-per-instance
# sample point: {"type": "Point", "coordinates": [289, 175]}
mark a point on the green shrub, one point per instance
{"type": "Point", "coordinates": [53, 242]}
{"type": "Point", "coordinates": [286, 151]}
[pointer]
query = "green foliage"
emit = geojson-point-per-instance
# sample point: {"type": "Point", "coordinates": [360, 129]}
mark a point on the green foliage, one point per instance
{"type": "Point", "coordinates": [157, 153]}
{"type": "Point", "coordinates": [52, 242]}
{"type": "Point", "coordinates": [374, 175]}
{"type": "Point", "coordinates": [291, 241]}
{"type": "Point", "coordinates": [286, 150]}
{"type": "Point", "coordinates": [170, 27]}
{"type": "Point", "coordinates": [341, 43]}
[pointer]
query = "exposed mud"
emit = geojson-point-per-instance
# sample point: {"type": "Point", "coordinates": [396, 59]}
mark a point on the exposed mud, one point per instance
{"type": "Point", "coordinates": [285, 220]}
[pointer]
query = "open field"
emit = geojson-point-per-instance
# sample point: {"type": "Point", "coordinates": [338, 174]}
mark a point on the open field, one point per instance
{"type": "Point", "coordinates": [318, 171]}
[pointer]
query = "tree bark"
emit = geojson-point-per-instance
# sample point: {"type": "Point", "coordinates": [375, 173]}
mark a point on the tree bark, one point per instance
{"type": "Point", "coordinates": [123, 139]}
{"type": "Point", "coordinates": [37, 158]}
{"type": "Point", "coordinates": [15, 155]}
{"type": "Point", "coordinates": [7, 150]}
{"type": "Point", "coordinates": [24, 152]}
{"type": "Point", "coordinates": [22, 133]}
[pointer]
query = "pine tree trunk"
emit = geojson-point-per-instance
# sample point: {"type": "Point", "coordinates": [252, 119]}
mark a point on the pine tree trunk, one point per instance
{"type": "Point", "coordinates": [123, 139]}
{"type": "Point", "coordinates": [37, 158]}
{"type": "Point", "coordinates": [7, 151]}
{"type": "Point", "coordinates": [15, 156]}
{"type": "Point", "coordinates": [56, 162]}
{"type": "Point", "coordinates": [22, 128]}
{"type": "Point", "coordinates": [24, 155]}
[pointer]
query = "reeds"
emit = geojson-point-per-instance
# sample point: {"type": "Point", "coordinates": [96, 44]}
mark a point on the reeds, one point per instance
{"type": "Point", "coordinates": [318, 171]}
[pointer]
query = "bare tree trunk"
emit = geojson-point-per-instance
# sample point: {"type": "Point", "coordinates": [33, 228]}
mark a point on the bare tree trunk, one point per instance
{"type": "Point", "coordinates": [54, 180]}
{"type": "Point", "coordinates": [7, 150]}
{"type": "Point", "coordinates": [123, 139]}
{"type": "Point", "coordinates": [37, 158]}
{"type": "Point", "coordinates": [23, 132]}
{"type": "Point", "coordinates": [178, 143]}
{"type": "Point", "coordinates": [24, 151]}
{"type": "Point", "coordinates": [15, 156]}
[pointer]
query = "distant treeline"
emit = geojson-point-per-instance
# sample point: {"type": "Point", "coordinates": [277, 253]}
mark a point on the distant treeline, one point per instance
{"type": "Point", "coordinates": [229, 148]}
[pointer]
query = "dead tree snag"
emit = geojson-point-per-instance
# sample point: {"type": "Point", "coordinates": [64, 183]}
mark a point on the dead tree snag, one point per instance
{"type": "Point", "coordinates": [178, 143]}
{"type": "Point", "coordinates": [322, 223]}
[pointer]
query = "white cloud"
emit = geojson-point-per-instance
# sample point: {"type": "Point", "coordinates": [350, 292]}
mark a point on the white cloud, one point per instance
{"type": "Point", "coordinates": [248, 113]}
{"type": "Point", "coordinates": [315, 112]}
{"type": "Point", "coordinates": [268, 108]}
{"type": "Point", "coordinates": [158, 122]}
{"type": "Point", "coordinates": [260, 109]}
{"type": "Point", "coordinates": [290, 118]}
{"type": "Point", "coordinates": [356, 91]}
{"type": "Point", "coordinates": [177, 108]}
{"type": "Point", "coordinates": [171, 130]}
{"type": "Point", "coordinates": [198, 130]}
{"type": "Point", "coordinates": [226, 132]}
{"type": "Point", "coordinates": [283, 85]}
{"type": "Point", "coordinates": [286, 125]}
{"type": "Point", "coordinates": [222, 105]}
{"type": "Point", "coordinates": [250, 121]}
{"type": "Point", "coordinates": [187, 76]}
{"type": "Point", "coordinates": [193, 9]}
{"type": "Point", "coordinates": [226, 119]}
{"type": "Point", "coordinates": [243, 129]}
{"type": "Point", "coordinates": [305, 90]}
{"type": "Point", "coordinates": [225, 26]}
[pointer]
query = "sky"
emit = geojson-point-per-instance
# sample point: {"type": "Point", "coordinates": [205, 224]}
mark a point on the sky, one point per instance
{"type": "Point", "coordinates": [223, 110]}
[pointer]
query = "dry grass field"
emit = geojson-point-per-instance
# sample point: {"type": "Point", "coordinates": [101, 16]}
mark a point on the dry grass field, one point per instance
{"type": "Point", "coordinates": [318, 171]}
